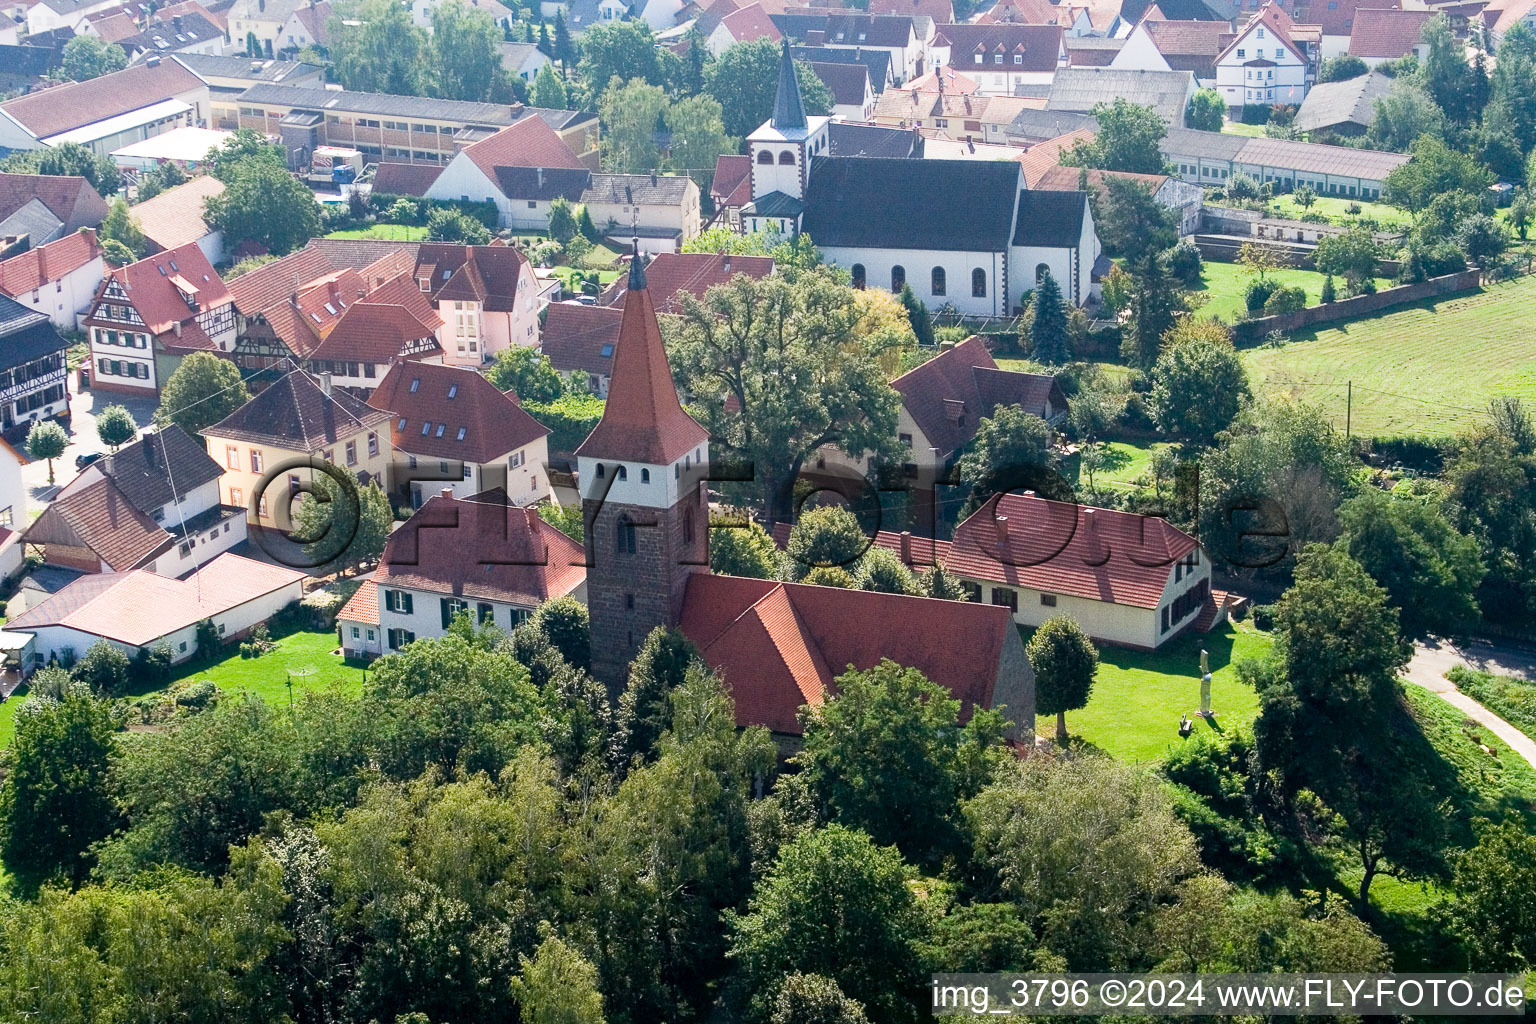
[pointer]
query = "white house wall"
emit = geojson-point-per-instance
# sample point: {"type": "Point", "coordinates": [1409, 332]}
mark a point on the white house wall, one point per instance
{"type": "Point", "coordinates": [919, 265]}
{"type": "Point", "coordinates": [67, 297]}
{"type": "Point", "coordinates": [463, 179]}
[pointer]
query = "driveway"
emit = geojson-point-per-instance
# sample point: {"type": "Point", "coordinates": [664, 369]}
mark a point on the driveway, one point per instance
{"type": "Point", "coordinates": [83, 408]}
{"type": "Point", "coordinates": [1432, 659]}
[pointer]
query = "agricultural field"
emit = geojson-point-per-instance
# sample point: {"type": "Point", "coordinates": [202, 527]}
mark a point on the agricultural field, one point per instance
{"type": "Point", "coordinates": [1425, 369]}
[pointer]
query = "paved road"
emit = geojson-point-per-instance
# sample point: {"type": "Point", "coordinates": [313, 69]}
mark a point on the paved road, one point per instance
{"type": "Point", "coordinates": [1431, 660]}
{"type": "Point", "coordinates": [83, 408]}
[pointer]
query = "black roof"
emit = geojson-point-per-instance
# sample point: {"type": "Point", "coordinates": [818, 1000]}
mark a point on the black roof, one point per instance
{"type": "Point", "coordinates": [157, 468]}
{"type": "Point", "coordinates": [25, 334]}
{"type": "Point", "coordinates": [1048, 124]}
{"type": "Point", "coordinates": [877, 61]}
{"type": "Point", "coordinates": [1050, 219]}
{"type": "Point", "coordinates": [774, 204]}
{"type": "Point", "coordinates": [29, 61]}
{"type": "Point", "coordinates": [543, 182]}
{"type": "Point", "coordinates": [844, 29]}
{"type": "Point", "coordinates": [964, 205]}
{"type": "Point", "coordinates": [1175, 10]}
{"type": "Point", "coordinates": [847, 139]}
{"type": "Point", "coordinates": [788, 111]}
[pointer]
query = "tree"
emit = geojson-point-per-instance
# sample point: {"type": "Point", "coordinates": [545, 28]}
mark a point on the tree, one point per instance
{"type": "Point", "coordinates": [46, 440]}
{"type": "Point", "coordinates": [1065, 663]}
{"type": "Point", "coordinates": [70, 158]}
{"type": "Point", "coordinates": [565, 48]}
{"type": "Point", "coordinates": [525, 373]}
{"type": "Point", "coordinates": [557, 986]}
{"type": "Point", "coordinates": [245, 145]}
{"type": "Point", "coordinates": [1521, 212]}
{"type": "Point", "coordinates": [104, 668]}
{"type": "Point", "coordinates": [1352, 255]}
{"type": "Point", "coordinates": [1495, 903]}
{"type": "Point", "coordinates": [562, 218]}
{"type": "Point", "coordinates": [116, 254]}
{"type": "Point", "coordinates": [1429, 571]}
{"type": "Point", "coordinates": [814, 999]}
{"type": "Point", "coordinates": [1197, 390]}
{"type": "Point", "coordinates": [1491, 496]}
{"type": "Point", "coordinates": [785, 352]}
{"type": "Point", "coordinates": [1483, 239]}
{"type": "Point", "coordinates": [376, 48]}
{"type": "Point", "coordinates": [630, 113]}
{"type": "Point", "coordinates": [1340, 68]}
{"type": "Point", "coordinates": [1402, 116]}
{"type": "Point", "coordinates": [115, 426]}
{"type": "Point", "coordinates": [450, 225]}
{"type": "Point", "coordinates": [1207, 111]}
{"type": "Point", "coordinates": [1127, 140]}
{"type": "Point", "coordinates": [1131, 224]}
{"type": "Point", "coordinates": [1011, 449]}
{"type": "Point", "coordinates": [1049, 342]}
{"type": "Point", "coordinates": [826, 537]}
{"type": "Point", "coordinates": [1434, 170]}
{"type": "Point", "coordinates": [917, 316]}
{"type": "Point", "coordinates": [1328, 293]}
{"type": "Point", "coordinates": [465, 62]}
{"type": "Point", "coordinates": [120, 225]}
{"type": "Point", "coordinates": [263, 203]}
{"type": "Point", "coordinates": [1155, 302]}
{"type": "Point", "coordinates": [345, 523]}
{"type": "Point", "coordinates": [645, 711]}
{"type": "Point", "coordinates": [697, 128]}
{"type": "Point", "coordinates": [204, 389]}
{"type": "Point", "coordinates": [745, 78]}
{"type": "Point", "coordinates": [742, 550]}
{"type": "Point", "coordinates": [157, 179]}
{"type": "Point", "coordinates": [56, 799]}
{"type": "Point", "coordinates": [565, 623]}
{"type": "Point", "coordinates": [887, 755]}
{"type": "Point", "coordinates": [548, 90]}
{"type": "Point", "coordinates": [881, 570]}
{"type": "Point", "coordinates": [1445, 72]}
{"type": "Point", "coordinates": [624, 50]}
{"type": "Point", "coordinates": [87, 56]}
{"type": "Point", "coordinates": [836, 904]}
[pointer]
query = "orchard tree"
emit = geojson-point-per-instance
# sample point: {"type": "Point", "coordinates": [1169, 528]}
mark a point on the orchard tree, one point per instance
{"type": "Point", "coordinates": [1127, 139]}
{"type": "Point", "coordinates": [1351, 255]}
{"type": "Point", "coordinates": [46, 440]}
{"type": "Point", "coordinates": [1435, 170]}
{"type": "Point", "coordinates": [826, 537]}
{"type": "Point", "coordinates": [115, 426]}
{"type": "Point", "coordinates": [745, 79]}
{"type": "Point", "coordinates": [204, 389]}
{"type": "Point", "coordinates": [1065, 663]}
{"type": "Point", "coordinates": [1198, 388]}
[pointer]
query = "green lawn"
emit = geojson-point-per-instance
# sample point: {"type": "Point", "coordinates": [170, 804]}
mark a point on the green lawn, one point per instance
{"type": "Point", "coordinates": [1139, 695]}
{"type": "Point", "coordinates": [1513, 700]}
{"type": "Point", "coordinates": [1425, 369]}
{"type": "Point", "coordinates": [384, 232]}
{"type": "Point", "coordinates": [1387, 216]}
{"type": "Point", "coordinates": [1493, 784]}
{"type": "Point", "coordinates": [1226, 283]}
{"type": "Point", "coordinates": [1126, 461]}
{"type": "Point", "coordinates": [1252, 131]}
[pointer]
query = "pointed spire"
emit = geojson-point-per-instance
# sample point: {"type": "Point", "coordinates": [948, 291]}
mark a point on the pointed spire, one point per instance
{"type": "Point", "coordinates": [788, 111]}
{"type": "Point", "coordinates": [636, 269]}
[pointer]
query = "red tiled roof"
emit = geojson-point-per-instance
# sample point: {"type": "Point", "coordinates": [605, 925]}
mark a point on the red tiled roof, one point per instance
{"type": "Point", "coordinates": [1066, 179]}
{"type": "Point", "coordinates": [779, 646]}
{"type": "Point", "coordinates": [219, 18]}
{"type": "Point", "coordinates": [1277, 21]}
{"type": "Point", "coordinates": [295, 413]}
{"type": "Point", "coordinates": [1386, 33]}
{"type": "Point", "coordinates": [56, 110]}
{"type": "Point", "coordinates": [100, 517]}
{"type": "Point", "coordinates": [482, 548]}
{"type": "Point", "coordinates": [362, 606]}
{"type": "Point", "coordinates": [59, 192]}
{"type": "Point", "coordinates": [943, 79]}
{"type": "Point", "coordinates": [111, 26]}
{"type": "Point", "coordinates": [487, 274]}
{"type": "Point", "coordinates": [36, 267]}
{"type": "Point", "coordinates": [575, 337]}
{"type": "Point", "coordinates": [446, 400]}
{"type": "Point", "coordinates": [949, 394]}
{"type": "Point", "coordinates": [942, 12]}
{"type": "Point", "coordinates": [529, 142]}
{"type": "Point", "coordinates": [732, 183]}
{"type": "Point", "coordinates": [671, 274]}
{"type": "Point", "coordinates": [642, 420]}
{"type": "Point", "coordinates": [175, 217]}
{"type": "Point", "coordinates": [1061, 548]}
{"type": "Point", "coordinates": [1043, 156]}
{"type": "Point", "coordinates": [1336, 17]}
{"type": "Point", "coordinates": [137, 608]}
{"type": "Point", "coordinates": [749, 24]}
{"type": "Point", "coordinates": [1027, 12]}
{"type": "Point", "coordinates": [849, 83]}
{"type": "Point", "coordinates": [155, 285]}
{"type": "Point", "coordinates": [405, 179]}
{"type": "Point", "coordinates": [377, 327]}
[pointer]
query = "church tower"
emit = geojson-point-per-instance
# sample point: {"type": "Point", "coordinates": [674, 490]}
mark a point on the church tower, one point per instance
{"type": "Point", "coordinates": [781, 151]}
{"type": "Point", "coordinates": [644, 501]}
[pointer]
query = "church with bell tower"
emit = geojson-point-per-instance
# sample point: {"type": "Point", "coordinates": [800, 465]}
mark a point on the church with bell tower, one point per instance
{"type": "Point", "coordinates": [781, 151]}
{"type": "Point", "coordinates": [641, 474]}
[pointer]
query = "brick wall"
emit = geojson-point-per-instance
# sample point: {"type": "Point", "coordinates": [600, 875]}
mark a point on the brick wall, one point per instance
{"type": "Point", "coordinates": [1359, 305]}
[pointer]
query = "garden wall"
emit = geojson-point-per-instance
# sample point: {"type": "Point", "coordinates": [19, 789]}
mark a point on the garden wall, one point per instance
{"type": "Point", "coordinates": [1359, 305]}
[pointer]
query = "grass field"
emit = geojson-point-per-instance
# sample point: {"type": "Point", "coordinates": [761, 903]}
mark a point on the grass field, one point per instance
{"type": "Point", "coordinates": [1125, 461]}
{"type": "Point", "coordinates": [1252, 131]}
{"type": "Point", "coordinates": [1425, 369]}
{"type": "Point", "coordinates": [1388, 217]}
{"type": "Point", "coordinates": [1138, 696]}
{"type": "Point", "coordinates": [384, 232]}
{"type": "Point", "coordinates": [305, 655]}
{"type": "Point", "coordinates": [1225, 284]}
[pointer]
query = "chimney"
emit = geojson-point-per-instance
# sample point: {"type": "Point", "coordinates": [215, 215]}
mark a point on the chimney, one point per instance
{"type": "Point", "coordinates": [906, 547]}
{"type": "Point", "coordinates": [1002, 529]}
{"type": "Point", "coordinates": [325, 384]}
{"type": "Point", "coordinates": [447, 492]}
{"type": "Point", "coordinates": [541, 177]}
{"type": "Point", "coordinates": [334, 287]}
{"type": "Point", "coordinates": [532, 518]}
{"type": "Point", "coordinates": [178, 328]}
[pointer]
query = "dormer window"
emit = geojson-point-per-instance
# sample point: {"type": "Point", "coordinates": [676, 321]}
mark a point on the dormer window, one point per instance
{"type": "Point", "coordinates": [453, 391]}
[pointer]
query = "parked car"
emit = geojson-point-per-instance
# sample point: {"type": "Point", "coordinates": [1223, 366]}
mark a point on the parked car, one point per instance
{"type": "Point", "coordinates": [85, 459]}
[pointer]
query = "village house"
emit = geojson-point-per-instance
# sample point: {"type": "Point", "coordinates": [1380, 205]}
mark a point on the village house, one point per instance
{"type": "Point", "coordinates": [1336, 20]}
{"type": "Point", "coordinates": [477, 171]}
{"type": "Point", "coordinates": [59, 278]}
{"type": "Point", "coordinates": [456, 432]}
{"type": "Point", "coordinates": [1346, 108]}
{"type": "Point", "coordinates": [33, 384]}
{"type": "Point", "coordinates": [743, 25]}
{"type": "Point", "coordinates": [154, 504]}
{"type": "Point", "coordinates": [1001, 59]}
{"type": "Point", "coordinates": [853, 98]}
{"type": "Point", "coordinates": [584, 14]}
{"type": "Point", "coordinates": [177, 33]}
{"type": "Point", "coordinates": [264, 21]}
{"type": "Point", "coordinates": [581, 339]}
{"type": "Point", "coordinates": [522, 60]}
{"type": "Point", "coordinates": [662, 210]}
{"type": "Point", "coordinates": [731, 188]}
{"type": "Point", "coordinates": [272, 447]}
{"type": "Point", "coordinates": [1382, 35]}
{"type": "Point", "coordinates": [139, 611]}
{"type": "Point", "coordinates": [1079, 90]}
{"type": "Point", "coordinates": [485, 295]}
{"type": "Point", "coordinates": [896, 36]}
{"type": "Point", "coordinates": [501, 14]}
{"type": "Point", "coordinates": [148, 315]}
{"type": "Point", "coordinates": [1191, 46]}
{"type": "Point", "coordinates": [1270, 60]}
{"type": "Point", "coordinates": [877, 62]}
{"type": "Point", "coordinates": [109, 112]}
{"type": "Point", "coordinates": [174, 218]}
{"type": "Point", "coordinates": [47, 15]}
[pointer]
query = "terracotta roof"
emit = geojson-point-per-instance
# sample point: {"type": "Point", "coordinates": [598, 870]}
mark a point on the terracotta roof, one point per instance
{"type": "Point", "coordinates": [732, 183]}
{"type": "Point", "coordinates": [112, 26]}
{"type": "Point", "coordinates": [1336, 17]}
{"type": "Point", "coordinates": [577, 337]}
{"type": "Point", "coordinates": [1063, 548]}
{"type": "Point", "coordinates": [779, 646]}
{"type": "Point", "coordinates": [1043, 156]}
{"type": "Point", "coordinates": [405, 179]}
{"type": "Point", "coordinates": [482, 548]}
{"type": "Point", "coordinates": [52, 111]}
{"type": "Point", "coordinates": [175, 217]}
{"type": "Point", "coordinates": [487, 274]}
{"type": "Point", "coordinates": [1505, 13]}
{"type": "Point", "coordinates": [378, 326]}
{"type": "Point", "coordinates": [316, 20]}
{"type": "Point", "coordinates": [949, 394]}
{"type": "Point", "coordinates": [155, 287]}
{"type": "Point", "coordinates": [750, 23]}
{"type": "Point", "coordinates": [526, 143]}
{"type": "Point", "coordinates": [59, 192]}
{"type": "Point", "coordinates": [153, 470]}
{"type": "Point", "coordinates": [449, 412]}
{"type": "Point", "coordinates": [36, 267]}
{"type": "Point", "coordinates": [1066, 179]}
{"type": "Point", "coordinates": [941, 12]}
{"type": "Point", "coordinates": [295, 414]}
{"type": "Point", "coordinates": [1038, 45]}
{"type": "Point", "coordinates": [219, 18]}
{"type": "Point", "coordinates": [1028, 12]}
{"type": "Point", "coordinates": [363, 605]}
{"type": "Point", "coordinates": [100, 517]}
{"type": "Point", "coordinates": [1386, 33]}
{"type": "Point", "coordinates": [671, 274]}
{"type": "Point", "coordinates": [137, 608]}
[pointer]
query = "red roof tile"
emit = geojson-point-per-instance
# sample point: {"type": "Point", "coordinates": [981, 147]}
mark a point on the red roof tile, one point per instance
{"type": "Point", "coordinates": [1062, 548]}
{"type": "Point", "coordinates": [642, 420]}
{"type": "Point", "coordinates": [1067, 179]}
{"type": "Point", "coordinates": [61, 193]}
{"type": "Point", "coordinates": [36, 267]}
{"type": "Point", "coordinates": [577, 337]}
{"type": "Point", "coordinates": [405, 179]}
{"type": "Point", "coordinates": [362, 606]}
{"type": "Point", "coordinates": [487, 274]}
{"type": "Point", "coordinates": [377, 327]}
{"type": "Point", "coordinates": [482, 548]}
{"type": "Point", "coordinates": [526, 143]}
{"type": "Point", "coordinates": [732, 183]}
{"type": "Point", "coordinates": [112, 26]}
{"type": "Point", "coordinates": [671, 274]}
{"type": "Point", "coordinates": [749, 24]}
{"type": "Point", "coordinates": [1387, 34]}
{"type": "Point", "coordinates": [101, 518]}
{"type": "Point", "coordinates": [447, 400]}
{"type": "Point", "coordinates": [52, 111]}
{"type": "Point", "coordinates": [1043, 156]}
{"type": "Point", "coordinates": [175, 217]}
{"type": "Point", "coordinates": [1336, 17]}
{"type": "Point", "coordinates": [949, 394]}
{"type": "Point", "coordinates": [155, 287]}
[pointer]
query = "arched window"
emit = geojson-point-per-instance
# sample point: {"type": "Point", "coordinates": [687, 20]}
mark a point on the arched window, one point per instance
{"type": "Point", "coordinates": [979, 283]}
{"type": "Point", "coordinates": [687, 526]}
{"type": "Point", "coordinates": [599, 470]}
{"type": "Point", "coordinates": [1041, 273]}
{"type": "Point", "coordinates": [764, 157]}
{"type": "Point", "coordinates": [857, 273]}
{"type": "Point", "coordinates": [898, 277]}
{"type": "Point", "coordinates": [787, 158]}
{"type": "Point", "coordinates": [938, 281]}
{"type": "Point", "coordinates": [623, 474]}
{"type": "Point", "coordinates": [645, 476]}
{"type": "Point", "coordinates": [625, 536]}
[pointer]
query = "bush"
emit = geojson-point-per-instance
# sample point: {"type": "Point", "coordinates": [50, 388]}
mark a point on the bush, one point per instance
{"type": "Point", "coordinates": [1258, 293]}
{"type": "Point", "coordinates": [50, 681]}
{"type": "Point", "coordinates": [1329, 293]}
{"type": "Point", "coordinates": [322, 607]}
{"type": "Point", "coordinates": [105, 669]}
{"type": "Point", "coordinates": [1285, 300]}
{"type": "Point", "coordinates": [1185, 263]}
{"type": "Point", "coordinates": [570, 418]}
{"type": "Point", "coordinates": [152, 666]}
{"type": "Point", "coordinates": [208, 639]}
{"type": "Point", "coordinates": [195, 695]}
{"type": "Point", "coordinates": [404, 211]}
{"type": "Point", "coordinates": [1264, 617]}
